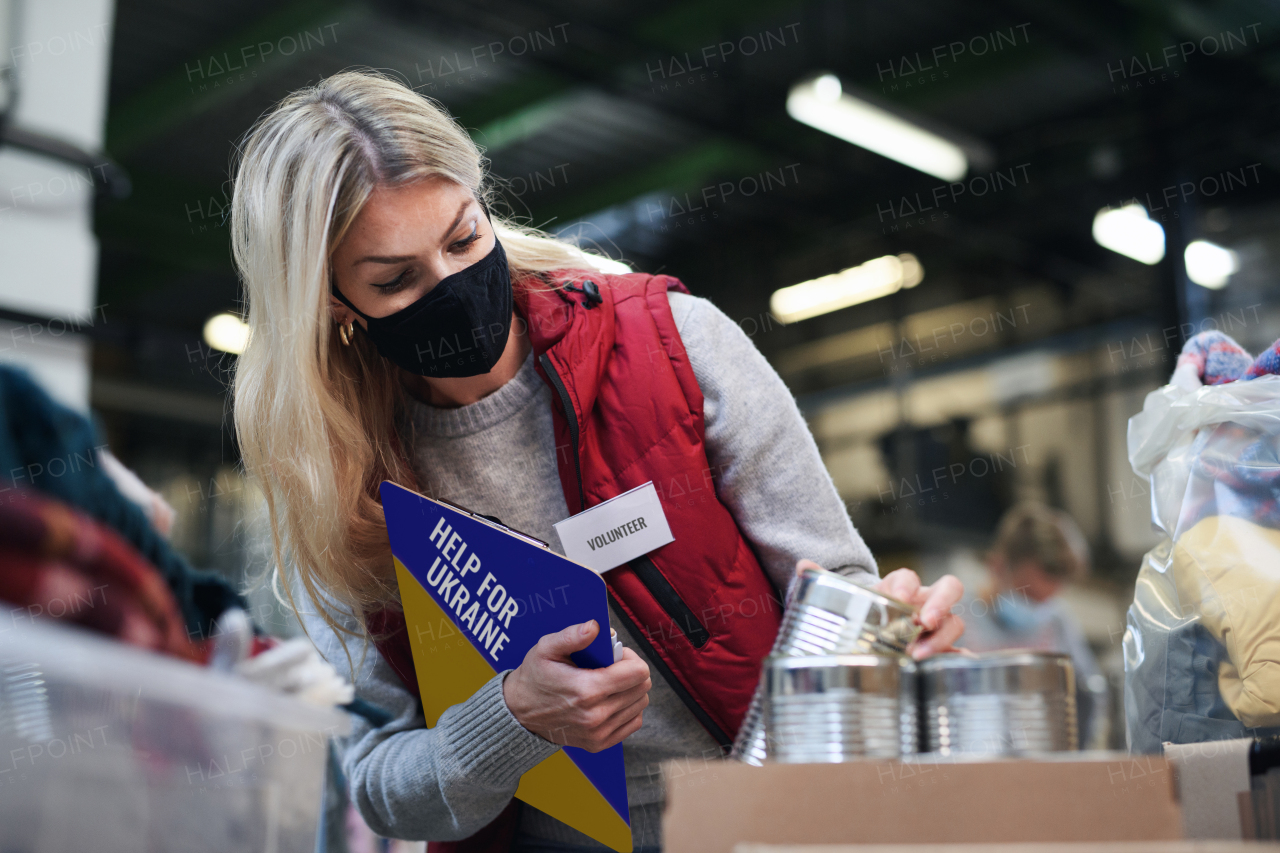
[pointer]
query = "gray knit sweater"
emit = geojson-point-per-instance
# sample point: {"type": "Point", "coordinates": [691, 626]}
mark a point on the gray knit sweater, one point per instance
{"type": "Point", "coordinates": [497, 457]}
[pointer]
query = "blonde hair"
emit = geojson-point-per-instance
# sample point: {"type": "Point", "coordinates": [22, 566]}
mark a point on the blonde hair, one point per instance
{"type": "Point", "coordinates": [316, 420]}
{"type": "Point", "coordinates": [1049, 537]}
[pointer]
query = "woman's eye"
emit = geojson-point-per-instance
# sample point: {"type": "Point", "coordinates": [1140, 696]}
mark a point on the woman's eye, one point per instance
{"type": "Point", "coordinates": [466, 242]}
{"type": "Point", "coordinates": [396, 283]}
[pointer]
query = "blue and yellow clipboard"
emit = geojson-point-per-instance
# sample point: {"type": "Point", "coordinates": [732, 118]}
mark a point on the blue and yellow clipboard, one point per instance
{"type": "Point", "coordinates": [476, 598]}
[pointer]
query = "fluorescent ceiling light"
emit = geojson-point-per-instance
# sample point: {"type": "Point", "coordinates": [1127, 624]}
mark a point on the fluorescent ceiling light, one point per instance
{"type": "Point", "coordinates": [875, 278]}
{"type": "Point", "coordinates": [226, 332]}
{"type": "Point", "coordinates": [1210, 265]}
{"type": "Point", "coordinates": [822, 103]}
{"type": "Point", "coordinates": [1128, 231]}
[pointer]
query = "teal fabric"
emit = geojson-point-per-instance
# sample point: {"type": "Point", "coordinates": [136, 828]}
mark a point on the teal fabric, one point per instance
{"type": "Point", "coordinates": [50, 448]}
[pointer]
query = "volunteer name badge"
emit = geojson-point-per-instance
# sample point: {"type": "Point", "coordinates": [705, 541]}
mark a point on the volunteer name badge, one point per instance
{"type": "Point", "coordinates": [616, 531]}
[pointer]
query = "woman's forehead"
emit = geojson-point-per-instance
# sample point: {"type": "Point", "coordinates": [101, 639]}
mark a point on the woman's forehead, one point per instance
{"type": "Point", "coordinates": [423, 211]}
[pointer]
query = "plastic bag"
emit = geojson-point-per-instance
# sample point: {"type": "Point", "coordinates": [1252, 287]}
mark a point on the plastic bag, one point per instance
{"type": "Point", "coordinates": [1202, 638]}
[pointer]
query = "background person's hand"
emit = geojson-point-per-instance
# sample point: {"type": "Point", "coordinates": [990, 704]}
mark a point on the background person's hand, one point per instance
{"type": "Point", "coordinates": [589, 708]}
{"type": "Point", "coordinates": [941, 626]}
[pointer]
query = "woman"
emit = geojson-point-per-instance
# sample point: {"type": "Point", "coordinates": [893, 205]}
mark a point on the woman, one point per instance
{"type": "Point", "coordinates": [401, 331]}
{"type": "Point", "coordinates": [1037, 551]}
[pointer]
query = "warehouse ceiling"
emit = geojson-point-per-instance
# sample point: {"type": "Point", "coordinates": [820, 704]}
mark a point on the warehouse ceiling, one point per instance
{"type": "Point", "coordinates": [657, 133]}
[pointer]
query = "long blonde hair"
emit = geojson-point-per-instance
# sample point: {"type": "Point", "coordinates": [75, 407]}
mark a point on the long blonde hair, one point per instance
{"type": "Point", "coordinates": [316, 420]}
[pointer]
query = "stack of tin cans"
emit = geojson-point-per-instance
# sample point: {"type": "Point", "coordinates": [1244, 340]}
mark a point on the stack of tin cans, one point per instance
{"type": "Point", "coordinates": [830, 615]}
{"type": "Point", "coordinates": [999, 703]}
{"type": "Point", "coordinates": [838, 685]}
{"type": "Point", "coordinates": [831, 708]}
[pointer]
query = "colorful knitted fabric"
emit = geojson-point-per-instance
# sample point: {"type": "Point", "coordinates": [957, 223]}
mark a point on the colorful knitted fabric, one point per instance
{"type": "Point", "coordinates": [1218, 359]}
{"type": "Point", "coordinates": [1267, 362]}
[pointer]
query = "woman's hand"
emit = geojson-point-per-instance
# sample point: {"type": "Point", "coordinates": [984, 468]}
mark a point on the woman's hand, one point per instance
{"type": "Point", "coordinates": [590, 708]}
{"type": "Point", "coordinates": [941, 626]}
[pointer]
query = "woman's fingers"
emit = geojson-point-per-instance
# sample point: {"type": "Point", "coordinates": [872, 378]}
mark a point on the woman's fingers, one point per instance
{"type": "Point", "coordinates": [939, 640]}
{"type": "Point", "coordinates": [619, 677]}
{"type": "Point", "coordinates": [625, 721]}
{"type": "Point", "coordinates": [902, 584]}
{"type": "Point", "coordinates": [935, 602]}
{"type": "Point", "coordinates": [625, 713]}
{"type": "Point", "coordinates": [628, 697]}
{"type": "Point", "coordinates": [623, 732]}
{"type": "Point", "coordinates": [941, 597]}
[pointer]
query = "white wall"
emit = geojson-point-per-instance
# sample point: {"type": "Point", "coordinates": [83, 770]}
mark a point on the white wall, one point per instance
{"type": "Point", "coordinates": [60, 53]}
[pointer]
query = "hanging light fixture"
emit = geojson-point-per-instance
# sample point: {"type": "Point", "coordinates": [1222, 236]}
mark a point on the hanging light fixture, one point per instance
{"type": "Point", "coordinates": [821, 102]}
{"type": "Point", "coordinates": [1128, 231]}
{"type": "Point", "coordinates": [1210, 265]}
{"type": "Point", "coordinates": [871, 280]}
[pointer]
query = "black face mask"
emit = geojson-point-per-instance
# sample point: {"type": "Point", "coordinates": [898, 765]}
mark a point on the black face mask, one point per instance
{"type": "Point", "coordinates": [458, 328]}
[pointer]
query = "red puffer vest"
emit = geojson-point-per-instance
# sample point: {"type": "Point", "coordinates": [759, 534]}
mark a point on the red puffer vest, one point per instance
{"type": "Point", "coordinates": [628, 410]}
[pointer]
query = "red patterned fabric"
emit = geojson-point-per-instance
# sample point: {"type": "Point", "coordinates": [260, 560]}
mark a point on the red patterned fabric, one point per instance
{"type": "Point", "coordinates": [57, 563]}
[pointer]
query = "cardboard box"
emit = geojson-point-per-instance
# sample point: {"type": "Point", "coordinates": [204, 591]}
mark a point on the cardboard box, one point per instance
{"type": "Point", "coordinates": [1210, 777]}
{"type": "Point", "coordinates": [713, 806]}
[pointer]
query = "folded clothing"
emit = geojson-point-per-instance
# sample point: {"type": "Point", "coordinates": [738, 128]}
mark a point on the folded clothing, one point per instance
{"type": "Point", "coordinates": [56, 562]}
{"type": "Point", "coordinates": [47, 448]}
{"type": "Point", "coordinates": [1227, 571]}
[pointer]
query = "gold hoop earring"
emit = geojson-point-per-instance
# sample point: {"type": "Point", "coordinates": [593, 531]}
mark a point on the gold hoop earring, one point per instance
{"type": "Point", "coordinates": [347, 332]}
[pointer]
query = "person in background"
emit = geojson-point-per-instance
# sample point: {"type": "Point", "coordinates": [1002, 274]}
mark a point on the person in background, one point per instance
{"type": "Point", "coordinates": [1038, 551]}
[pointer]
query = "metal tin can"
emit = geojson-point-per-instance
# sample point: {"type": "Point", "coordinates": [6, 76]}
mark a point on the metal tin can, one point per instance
{"type": "Point", "coordinates": [832, 708]}
{"type": "Point", "coordinates": [828, 614]}
{"type": "Point", "coordinates": [999, 703]}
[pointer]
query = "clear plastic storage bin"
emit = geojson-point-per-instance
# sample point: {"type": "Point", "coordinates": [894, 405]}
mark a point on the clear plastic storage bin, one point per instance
{"type": "Point", "coordinates": [106, 747]}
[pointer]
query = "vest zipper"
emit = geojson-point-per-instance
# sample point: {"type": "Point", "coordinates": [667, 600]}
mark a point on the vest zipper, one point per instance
{"type": "Point", "coordinates": [572, 417]}
{"type": "Point", "coordinates": [670, 601]}
{"type": "Point", "coordinates": [726, 742]}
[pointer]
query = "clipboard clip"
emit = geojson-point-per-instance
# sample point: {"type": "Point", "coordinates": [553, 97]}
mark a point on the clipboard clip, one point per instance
{"type": "Point", "coordinates": [494, 521]}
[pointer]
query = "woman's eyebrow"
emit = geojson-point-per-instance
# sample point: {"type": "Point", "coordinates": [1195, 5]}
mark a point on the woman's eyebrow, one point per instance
{"type": "Point", "coordinates": [384, 259]}
{"type": "Point", "coordinates": [399, 259]}
{"type": "Point", "coordinates": [461, 212]}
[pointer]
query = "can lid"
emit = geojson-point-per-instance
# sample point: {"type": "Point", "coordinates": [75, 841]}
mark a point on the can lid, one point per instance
{"type": "Point", "coordinates": [964, 659]}
{"type": "Point", "coordinates": [865, 659]}
{"type": "Point", "coordinates": [830, 578]}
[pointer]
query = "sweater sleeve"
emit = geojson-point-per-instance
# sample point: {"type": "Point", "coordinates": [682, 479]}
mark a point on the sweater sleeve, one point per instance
{"type": "Point", "coordinates": [764, 461]}
{"type": "Point", "coordinates": [437, 784]}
